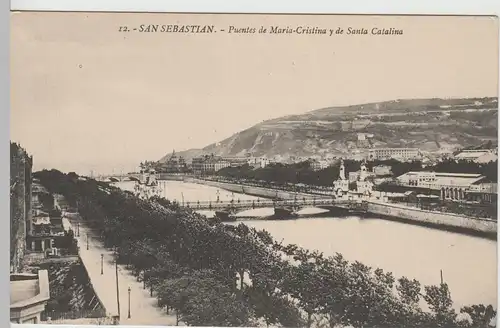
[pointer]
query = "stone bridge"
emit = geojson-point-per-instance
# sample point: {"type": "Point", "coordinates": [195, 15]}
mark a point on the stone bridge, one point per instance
{"type": "Point", "coordinates": [241, 205]}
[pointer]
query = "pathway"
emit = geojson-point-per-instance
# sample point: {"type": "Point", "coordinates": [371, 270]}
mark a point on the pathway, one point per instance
{"type": "Point", "coordinates": [143, 309]}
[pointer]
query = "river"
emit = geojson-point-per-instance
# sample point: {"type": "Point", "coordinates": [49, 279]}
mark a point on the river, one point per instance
{"type": "Point", "coordinates": [469, 264]}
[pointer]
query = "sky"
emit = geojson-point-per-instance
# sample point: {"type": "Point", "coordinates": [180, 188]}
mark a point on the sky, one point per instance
{"type": "Point", "coordinates": [87, 97]}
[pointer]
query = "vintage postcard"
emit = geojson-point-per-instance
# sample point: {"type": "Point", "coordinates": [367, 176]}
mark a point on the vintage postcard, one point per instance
{"type": "Point", "coordinates": [253, 170]}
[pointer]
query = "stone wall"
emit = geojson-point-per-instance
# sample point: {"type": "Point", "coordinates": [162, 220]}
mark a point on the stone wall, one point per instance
{"type": "Point", "coordinates": [484, 226]}
{"type": "Point", "coordinates": [251, 190]}
{"type": "Point", "coordinates": [20, 203]}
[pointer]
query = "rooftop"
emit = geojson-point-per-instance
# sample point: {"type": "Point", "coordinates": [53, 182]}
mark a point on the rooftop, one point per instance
{"type": "Point", "coordinates": [28, 289]}
{"type": "Point", "coordinates": [445, 174]}
{"type": "Point", "coordinates": [23, 289]}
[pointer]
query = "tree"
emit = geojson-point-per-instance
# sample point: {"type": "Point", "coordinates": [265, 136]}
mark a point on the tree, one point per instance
{"type": "Point", "coordinates": [201, 300]}
{"type": "Point", "coordinates": [480, 315]}
{"type": "Point", "coordinates": [439, 300]}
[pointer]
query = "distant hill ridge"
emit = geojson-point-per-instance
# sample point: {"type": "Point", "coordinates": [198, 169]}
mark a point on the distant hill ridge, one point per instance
{"type": "Point", "coordinates": [429, 124]}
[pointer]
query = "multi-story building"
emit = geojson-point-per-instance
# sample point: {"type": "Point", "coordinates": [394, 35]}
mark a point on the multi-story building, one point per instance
{"type": "Point", "coordinates": [235, 161]}
{"type": "Point", "coordinates": [20, 202]}
{"type": "Point", "coordinates": [258, 162]}
{"type": "Point", "coordinates": [394, 153]}
{"type": "Point", "coordinates": [208, 164]}
{"type": "Point", "coordinates": [317, 165]}
{"type": "Point", "coordinates": [452, 186]}
{"type": "Point", "coordinates": [477, 155]}
{"type": "Point", "coordinates": [174, 164]}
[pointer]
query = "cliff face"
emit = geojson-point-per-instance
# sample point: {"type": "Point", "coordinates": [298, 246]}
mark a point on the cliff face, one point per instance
{"type": "Point", "coordinates": [429, 124]}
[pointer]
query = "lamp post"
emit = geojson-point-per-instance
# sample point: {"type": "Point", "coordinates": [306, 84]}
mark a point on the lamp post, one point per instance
{"type": "Point", "coordinates": [78, 229]}
{"type": "Point", "coordinates": [87, 241]}
{"type": "Point", "coordinates": [129, 302]}
{"type": "Point", "coordinates": [117, 288]}
{"type": "Point", "coordinates": [102, 263]}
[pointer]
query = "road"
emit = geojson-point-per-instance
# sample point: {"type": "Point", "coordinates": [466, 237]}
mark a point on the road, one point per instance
{"type": "Point", "coordinates": [143, 309]}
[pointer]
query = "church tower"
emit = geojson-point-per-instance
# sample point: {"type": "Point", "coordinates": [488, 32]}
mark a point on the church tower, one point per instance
{"type": "Point", "coordinates": [342, 170]}
{"type": "Point", "coordinates": [364, 172]}
{"type": "Point", "coordinates": [341, 185]}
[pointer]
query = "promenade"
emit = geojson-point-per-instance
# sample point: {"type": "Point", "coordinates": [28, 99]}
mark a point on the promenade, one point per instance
{"type": "Point", "coordinates": [143, 307]}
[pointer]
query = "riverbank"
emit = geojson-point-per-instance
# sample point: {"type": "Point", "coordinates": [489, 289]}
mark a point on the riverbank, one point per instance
{"type": "Point", "coordinates": [178, 248]}
{"type": "Point", "coordinates": [439, 220]}
{"type": "Point", "coordinates": [252, 190]}
{"type": "Point", "coordinates": [447, 221]}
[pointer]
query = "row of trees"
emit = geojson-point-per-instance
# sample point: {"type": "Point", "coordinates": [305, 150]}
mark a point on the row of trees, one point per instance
{"type": "Point", "coordinates": [303, 173]}
{"type": "Point", "coordinates": [213, 274]}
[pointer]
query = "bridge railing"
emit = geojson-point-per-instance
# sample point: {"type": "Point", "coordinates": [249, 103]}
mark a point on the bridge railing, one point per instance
{"type": "Point", "coordinates": [265, 203]}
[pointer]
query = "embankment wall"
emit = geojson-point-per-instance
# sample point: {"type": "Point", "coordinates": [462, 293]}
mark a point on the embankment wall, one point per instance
{"type": "Point", "coordinates": [434, 218]}
{"type": "Point", "coordinates": [251, 190]}
{"type": "Point", "coordinates": [446, 221]}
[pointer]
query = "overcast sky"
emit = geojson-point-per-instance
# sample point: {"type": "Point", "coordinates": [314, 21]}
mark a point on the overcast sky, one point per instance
{"type": "Point", "coordinates": [85, 97]}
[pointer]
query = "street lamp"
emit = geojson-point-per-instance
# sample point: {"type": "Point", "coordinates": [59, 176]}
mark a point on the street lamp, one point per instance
{"type": "Point", "coordinates": [129, 302]}
{"type": "Point", "coordinates": [102, 263]}
{"type": "Point", "coordinates": [87, 241]}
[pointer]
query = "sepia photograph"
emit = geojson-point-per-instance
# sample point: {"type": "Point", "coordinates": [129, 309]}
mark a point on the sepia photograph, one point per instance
{"type": "Point", "coordinates": [253, 170]}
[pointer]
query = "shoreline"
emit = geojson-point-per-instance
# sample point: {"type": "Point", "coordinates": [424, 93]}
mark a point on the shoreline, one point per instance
{"type": "Point", "coordinates": [482, 228]}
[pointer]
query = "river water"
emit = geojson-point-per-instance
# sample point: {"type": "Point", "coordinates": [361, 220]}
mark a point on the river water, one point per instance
{"type": "Point", "coordinates": [469, 264]}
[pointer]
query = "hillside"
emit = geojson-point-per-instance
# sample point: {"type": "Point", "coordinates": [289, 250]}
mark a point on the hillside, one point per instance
{"type": "Point", "coordinates": [432, 125]}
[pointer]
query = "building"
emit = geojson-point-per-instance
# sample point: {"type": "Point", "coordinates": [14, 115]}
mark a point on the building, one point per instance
{"type": "Point", "coordinates": [20, 202]}
{"type": "Point", "coordinates": [451, 186]}
{"type": "Point", "coordinates": [208, 164]}
{"type": "Point", "coordinates": [363, 185]}
{"type": "Point", "coordinates": [29, 294]}
{"type": "Point", "coordinates": [235, 161]}
{"type": "Point", "coordinates": [354, 176]}
{"type": "Point", "coordinates": [341, 185]}
{"type": "Point", "coordinates": [483, 192]}
{"type": "Point", "coordinates": [317, 165]}
{"type": "Point", "coordinates": [40, 237]}
{"type": "Point", "coordinates": [258, 162]}
{"type": "Point", "coordinates": [403, 154]}
{"type": "Point", "coordinates": [477, 155]}
{"type": "Point", "coordinates": [174, 164]}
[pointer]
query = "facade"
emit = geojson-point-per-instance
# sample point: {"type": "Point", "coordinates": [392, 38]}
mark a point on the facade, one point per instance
{"type": "Point", "coordinates": [477, 155]}
{"type": "Point", "coordinates": [29, 294]}
{"type": "Point", "coordinates": [341, 185]}
{"type": "Point", "coordinates": [235, 161]}
{"type": "Point", "coordinates": [20, 202]}
{"type": "Point", "coordinates": [451, 186]}
{"type": "Point", "coordinates": [395, 153]}
{"type": "Point", "coordinates": [364, 187]}
{"type": "Point", "coordinates": [40, 237]}
{"type": "Point", "coordinates": [38, 192]}
{"type": "Point", "coordinates": [483, 192]}
{"type": "Point", "coordinates": [317, 165]}
{"type": "Point", "coordinates": [258, 162]}
{"type": "Point", "coordinates": [174, 164]}
{"type": "Point", "coordinates": [208, 164]}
